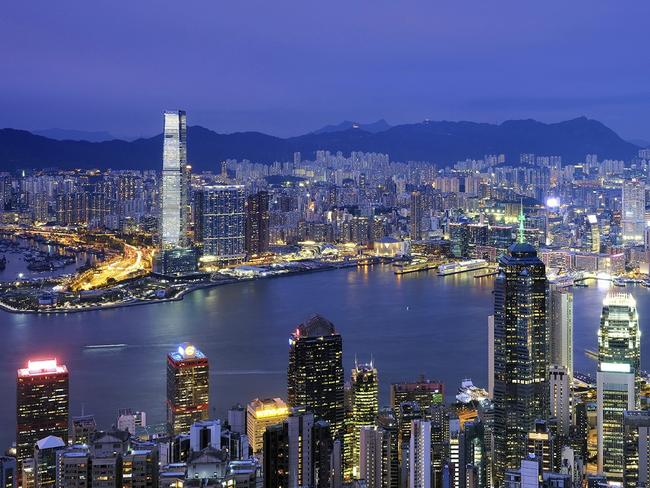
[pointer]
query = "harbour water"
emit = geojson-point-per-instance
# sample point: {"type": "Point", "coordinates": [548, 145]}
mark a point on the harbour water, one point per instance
{"type": "Point", "coordinates": [412, 324]}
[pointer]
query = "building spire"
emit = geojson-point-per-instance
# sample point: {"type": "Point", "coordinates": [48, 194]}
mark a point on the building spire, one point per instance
{"type": "Point", "coordinates": [522, 218]}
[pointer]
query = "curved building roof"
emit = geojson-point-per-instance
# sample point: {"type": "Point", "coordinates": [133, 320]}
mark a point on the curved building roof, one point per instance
{"type": "Point", "coordinates": [315, 326]}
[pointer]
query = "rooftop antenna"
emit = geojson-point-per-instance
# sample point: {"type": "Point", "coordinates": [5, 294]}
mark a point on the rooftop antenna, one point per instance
{"type": "Point", "coordinates": [522, 219]}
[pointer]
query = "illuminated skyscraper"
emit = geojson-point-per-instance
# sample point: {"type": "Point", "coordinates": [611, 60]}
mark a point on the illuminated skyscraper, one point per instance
{"type": "Point", "coordinates": [257, 223]}
{"type": "Point", "coordinates": [424, 392]}
{"type": "Point", "coordinates": [260, 415]}
{"type": "Point", "coordinates": [618, 378]}
{"type": "Point", "coordinates": [365, 406]}
{"type": "Point", "coordinates": [187, 388]}
{"type": "Point", "coordinates": [42, 405]}
{"type": "Point", "coordinates": [633, 218]}
{"type": "Point", "coordinates": [315, 373]}
{"type": "Point", "coordinates": [521, 355]}
{"type": "Point", "coordinates": [224, 219]}
{"type": "Point", "coordinates": [175, 182]}
{"type": "Point", "coordinates": [593, 233]}
{"type": "Point", "coordinates": [420, 455]}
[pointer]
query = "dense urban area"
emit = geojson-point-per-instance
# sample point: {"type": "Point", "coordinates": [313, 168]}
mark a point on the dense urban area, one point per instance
{"type": "Point", "coordinates": [80, 240]}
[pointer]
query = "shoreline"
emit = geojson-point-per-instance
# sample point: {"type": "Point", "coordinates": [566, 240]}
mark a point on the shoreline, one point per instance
{"type": "Point", "coordinates": [177, 298]}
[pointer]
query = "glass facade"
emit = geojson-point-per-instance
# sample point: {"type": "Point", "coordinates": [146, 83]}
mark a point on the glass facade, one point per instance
{"type": "Point", "coordinates": [175, 182]}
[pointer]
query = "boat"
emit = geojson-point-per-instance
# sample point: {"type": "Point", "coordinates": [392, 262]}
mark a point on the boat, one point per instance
{"type": "Point", "coordinates": [619, 282]}
{"type": "Point", "coordinates": [462, 267]}
{"type": "Point", "coordinates": [580, 284]}
{"type": "Point", "coordinates": [414, 266]}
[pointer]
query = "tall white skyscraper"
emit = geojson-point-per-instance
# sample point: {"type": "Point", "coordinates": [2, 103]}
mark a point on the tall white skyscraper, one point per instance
{"type": "Point", "coordinates": [560, 398]}
{"type": "Point", "coordinates": [618, 370]}
{"type": "Point", "coordinates": [633, 218]}
{"type": "Point", "coordinates": [175, 182]}
{"type": "Point", "coordinates": [371, 455]}
{"type": "Point", "coordinates": [420, 454]}
{"type": "Point", "coordinates": [560, 318]}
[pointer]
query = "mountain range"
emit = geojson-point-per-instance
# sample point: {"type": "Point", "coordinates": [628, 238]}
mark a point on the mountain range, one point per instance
{"type": "Point", "coordinates": [440, 142]}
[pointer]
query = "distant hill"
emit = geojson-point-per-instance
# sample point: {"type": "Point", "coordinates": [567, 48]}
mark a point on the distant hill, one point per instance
{"type": "Point", "coordinates": [75, 135]}
{"type": "Point", "coordinates": [379, 126]}
{"type": "Point", "coordinates": [439, 142]}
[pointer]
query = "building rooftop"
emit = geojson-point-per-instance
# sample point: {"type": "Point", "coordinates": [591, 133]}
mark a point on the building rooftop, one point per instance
{"type": "Point", "coordinates": [186, 351]}
{"type": "Point", "coordinates": [42, 367]}
{"type": "Point", "coordinates": [315, 326]}
{"type": "Point", "coordinates": [50, 442]}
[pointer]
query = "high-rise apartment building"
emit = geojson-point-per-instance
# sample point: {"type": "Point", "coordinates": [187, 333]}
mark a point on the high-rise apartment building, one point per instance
{"type": "Point", "coordinates": [521, 355]}
{"type": "Point", "coordinates": [187, 388]}
{"type": "Point", "coordinates": [257, 223]}
{"type": "Point", "coordinates": [420, 454]}
{"type": "Point", "coordinates": [416, 216]}
{"type": "Point", "coordinates": [315, 373]}
{"type": "Point", "coordinates": [42, 405]}
{"type": "Point", "coordinates": [224, 219]}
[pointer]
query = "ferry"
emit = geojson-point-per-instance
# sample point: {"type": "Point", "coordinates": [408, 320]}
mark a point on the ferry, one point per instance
{"type": "Point", "coordinates": [462, 267]}
{"type": "Point", "coordinates": [619, 282]}
{"type": "Point", "coordinates": [414, 266]}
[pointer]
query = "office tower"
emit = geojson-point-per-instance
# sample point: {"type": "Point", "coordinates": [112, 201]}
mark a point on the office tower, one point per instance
{"type": "Point", "coordinates": [560, 398]}
{"type": "Point", "coordinates": [365, 405]}
{"type": "Point", "coordinates": [521, 355]}
{"type": "Point", "coordinates": [187, 388]}
{"type": "Point", "coordinates": [298, 452]}
{"type": "Point", "coordinates": [45, 459]}
{"type": "Point", "coordinates": [257, 223]}
{"type": "Point", "coordinates": [83, 427]}
{"type": "Point", "coordinates": [315, 373]}
{"type": "Point", "coordinates": [237, 419]}
{"type": "Point", "coordinates": [276, 456]}
{"type": "Point", "coordinates": [175, 188]}
{"type": "Point", "coordinates": [455, 469]}
{"type": "Point", "coordinates": [28, 473]}
{"type": "Point", "coordinates": [473, 454]}
{"type": "Point", "coordinates": [560, 325]}
{"type": "Point", "coordinates": [424, 392]}
{"type": "Point", "coordinates": [490, 368]}
{"type": "Point", "coordinates": [387, 422]}
{"type": "Point", "coordinates": [619, 336]}
{"type": "Point", "coordinates": [406, 414]}
{"type": "Point", "coordinates": [8, 472]}
{"type": "Point", "coordinates": [636, 466]}
{"type": "Point", "coordinates": [224, 218]}
{"type": "Point", "coordinates": [261, 414]}
{"type": "Point", "coordinates": [592, 233]}
{"type": "Point", "coordinates": [633, 212]}
{"type": "Point", "coordinates": [42, 405]}
{"type": "Point", "coordinates": [371, 456]}
{"type": "Point", "coordinates": [420, 454]}
{"type": "Point", "coordinates": [540, 443]}
{"type": "Point", "coordinates": [416, 216]}
{"type": "Point", "coordinates": [459, 237]}
{"type": "Point", "coordinates": [618, 378]}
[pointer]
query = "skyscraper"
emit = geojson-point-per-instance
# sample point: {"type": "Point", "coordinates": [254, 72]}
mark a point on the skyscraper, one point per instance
{"type": "Point", "coordinates": [175, 182]}
{"type": "Point", "coordinates": [560, 398]}
{"type": "Point", "coordinates": [224, 221]}
{"type": "Point", "coordinates": [425, 392]}
{"type": "Point", "coordinates": [521, 356]}
{"type": "Point", "coordinates": [560, 325]}
{"type": "Point", "coordinates": [633, 218]}
{"type": "Point", "coordinates": [636, 466]}
{"type": "Point", "coordinates": [365, 406]}
{"type": "Point", "coordinates": [416, 216]}
{"type": "Point", "coordinates": [315, 373]}
{"type": "Point", "coordinates": [257, 223]}
{"type": "Point", "coordinates": [187, 388]}
{"type": "Point", "coordinates": [420, 455]}
{"type": "Point", "coordinates": [618, 378]}
{"type": "Point", "coordinates": [42, 405]}
{"type": "Point", "coordinates": [260, 415]}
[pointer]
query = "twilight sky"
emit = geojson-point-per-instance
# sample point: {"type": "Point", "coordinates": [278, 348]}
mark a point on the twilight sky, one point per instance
{"type": "Point", "coordinates": [289, 67]}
